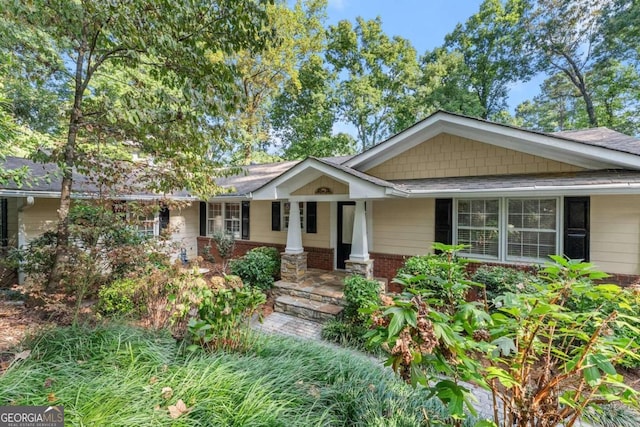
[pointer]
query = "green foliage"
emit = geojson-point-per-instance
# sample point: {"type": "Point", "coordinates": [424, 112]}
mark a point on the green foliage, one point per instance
{"type": "Point", "coordinates": [119, 375]}
{"type": "Point", "coordinates": [439, 276]}
{"type": "Point", "coordinates": [223, 315]}
{"type": "Point", "coordinates": [565, 356]}
{"type": "Point", "coordinates": [499, 280]}
{"type": "Point", "coordinates": [346, 333]}
{"type": "Point", "coordinates": [359, 294]}
{"type": "Point", "coordinates": [257, 269]}
{"type": "Point", "coordinates": [117, 298]}
{"type": "Point", "coordinates": [272, 253]}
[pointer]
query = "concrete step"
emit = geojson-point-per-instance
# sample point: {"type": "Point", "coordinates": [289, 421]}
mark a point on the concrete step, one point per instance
{"type": "Point", "coordinates": [318, 311]}
{"type": "Point", "coordinates": [329, 293]}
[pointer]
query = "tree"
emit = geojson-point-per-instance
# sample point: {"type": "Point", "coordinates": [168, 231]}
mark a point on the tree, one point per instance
{"type": "Point", "coordinates": [562, 36]}
{"type": "Point", "coordinates": [155, 75]}
{"type": "Point", "coordinates": [490, 45]}
{"type": "Point", "coordinates": [303, 116]}
{"type": "Point", "coordinates": [445, 85]}
{"type": "Point", "coordinates": [621, 30]}
{"type": "Point", "coordinates": [380, 76]}
{"type": "Point", "coordinates": [298, 33]}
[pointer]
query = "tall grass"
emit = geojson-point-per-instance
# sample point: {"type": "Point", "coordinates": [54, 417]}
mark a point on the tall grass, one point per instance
{"type": "Point", "coordinates": [114, 376]}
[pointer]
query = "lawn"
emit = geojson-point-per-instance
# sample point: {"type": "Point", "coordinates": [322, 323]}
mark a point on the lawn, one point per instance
{"type": "Point", "coordinates": [123, 376]}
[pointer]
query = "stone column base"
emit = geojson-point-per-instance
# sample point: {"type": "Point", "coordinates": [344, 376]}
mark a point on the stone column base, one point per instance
{"type": "Point", "coordinates": [293, 267]}
{"type": "Point", "coordinates": [361, 268]}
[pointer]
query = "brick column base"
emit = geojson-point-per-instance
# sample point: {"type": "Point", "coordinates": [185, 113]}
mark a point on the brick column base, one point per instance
{"type": "Point", "coordinates": [361, 268]}
{"type": "Point", "coordinates": [293, 267]}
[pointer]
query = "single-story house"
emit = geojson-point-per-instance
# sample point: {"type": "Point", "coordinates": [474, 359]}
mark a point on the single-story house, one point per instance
{"type": "Point", "coordinates": [512, 195]}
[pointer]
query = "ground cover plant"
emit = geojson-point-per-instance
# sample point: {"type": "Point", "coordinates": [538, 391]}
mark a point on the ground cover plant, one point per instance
{"type": "Point", "coordinates": [122, 376]}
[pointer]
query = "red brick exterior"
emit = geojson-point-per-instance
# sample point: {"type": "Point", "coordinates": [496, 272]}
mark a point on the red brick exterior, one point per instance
{"type": "Point", "coordinates": [385, 266]}
{"type": "Point", "coordinates": [321, 258]}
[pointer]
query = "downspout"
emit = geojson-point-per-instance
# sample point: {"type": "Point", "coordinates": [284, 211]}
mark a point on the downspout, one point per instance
{"type": "Point", "coordinates": [27, 203]}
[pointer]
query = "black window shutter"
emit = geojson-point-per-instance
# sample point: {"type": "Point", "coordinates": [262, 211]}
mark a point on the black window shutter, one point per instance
{"type": "Point", "coordinates": [576, 227]}
{"type": "Point", "coordinates": [275, 216]}
{"type": "Point", "coordinates": [164, 216]}
{"type": "Point", "coordinates": [4, 228]}
{"type": "Point", "coordinates": [203, 218]}
{"type": "Point", "coordinates": [312, 215]}
{"type": "Point", "coordinates": [444, 221]}
{"type": "Point", "coordinates": [245, 220]}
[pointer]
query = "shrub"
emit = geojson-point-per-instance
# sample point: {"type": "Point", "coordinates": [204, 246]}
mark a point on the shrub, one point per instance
{"type": "Point", "coordinates": [272, 253]}
{"type": "Point", "coordinates": [344, 333]}
{"type": "Point", "coordinates": [563, 356]}
{"type": "Point", "coordinates": [359, 293]}
{"type": "Point", "coordinates": [222, 317]}
{"type": "Point", "coordinates": [499, 280]}
{"type": "Point", "coordinates": [257, 269]}
{"type": "Point", "coordinates": [440, 277]}
{"type": "Point", "coordinates": [118, 298]}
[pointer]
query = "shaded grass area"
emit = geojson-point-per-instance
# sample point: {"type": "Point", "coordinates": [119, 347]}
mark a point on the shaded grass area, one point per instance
{"type": "Point", "coordinates": [117, 376]}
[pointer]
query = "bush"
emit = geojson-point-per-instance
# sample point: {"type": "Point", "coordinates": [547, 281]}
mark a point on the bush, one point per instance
{"type": "Point", "coordinates": [359, 293]}
{"type": "Point", "coordinates": [500, 280]}
{"type": "Point", "coordinates": [272, 253]}
{"type": "Point", "coordinates": [257, 269]}
{"type": "Point", "coordinates": [118, 297]}
{"type": "Point", "coordinates": [347, 334]}
{"type": "Point", "coordinates": [442, 277]}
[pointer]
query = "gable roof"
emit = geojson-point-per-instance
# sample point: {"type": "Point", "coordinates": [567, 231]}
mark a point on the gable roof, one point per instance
{"type": "Point", "coordinates": [577, 149]}
{"type": "Point", "coordinates": [604, 137]}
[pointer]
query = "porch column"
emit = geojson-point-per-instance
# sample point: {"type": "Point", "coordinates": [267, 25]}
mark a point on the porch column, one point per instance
{"type": "Point", "coordinates": [293, 265]}
{"type": "Point", "coordinates": [294, 234]}
{"type": "Point", "coordinates": [359, 261]}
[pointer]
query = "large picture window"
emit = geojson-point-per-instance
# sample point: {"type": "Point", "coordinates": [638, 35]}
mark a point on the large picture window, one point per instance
{"type": "Point", "coordinates": [224, 217]}
{"type": "Point", "coordinates": [508, 229]}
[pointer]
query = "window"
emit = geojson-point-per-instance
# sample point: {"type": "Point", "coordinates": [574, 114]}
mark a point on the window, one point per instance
{"type": "Point", "coordinates": [138, 216]}
{"type": "Point", "coordinates": [478, 227]}
{"type": "Point", "coordinates": [147, 225]}
{"type": "Point", "coordinates": [532, 229]}
{"type": "Point", "coordinates": [224, 217]}
{"type": "Point", "coordinates": [508, 229]}
{"type": "Point", "coordinates": [285, 214]}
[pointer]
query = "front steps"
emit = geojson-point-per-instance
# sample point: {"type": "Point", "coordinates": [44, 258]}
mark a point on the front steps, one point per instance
{"type": "Point", "coordinates": [319, 297]}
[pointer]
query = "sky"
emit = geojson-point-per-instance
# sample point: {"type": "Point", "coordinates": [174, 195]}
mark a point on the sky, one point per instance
{"type": "Point", "coordinates": [424, 23]}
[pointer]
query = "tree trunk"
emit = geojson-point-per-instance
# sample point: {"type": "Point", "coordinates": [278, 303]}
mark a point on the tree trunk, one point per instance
{"type": "Point", "coordinates": [61, 259]}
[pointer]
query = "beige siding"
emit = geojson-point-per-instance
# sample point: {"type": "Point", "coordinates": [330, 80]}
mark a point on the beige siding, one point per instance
{"type": "Point", "coordinates": [260, 228]}
{"type": "Point", "coordinates": [615, 233]}
{"type": "Point", "coordinates": [185, 225]}
{"type": "Point", "coordinates": [334, 186]}
{"type": "Point", "coordinates": [12, 221]}
{"type": "Point", "coordinates": [40, 217]}
{"type": "Point", "coordinates": [449, 155]}
{"type": "Point", "coordinates": [403, 227]}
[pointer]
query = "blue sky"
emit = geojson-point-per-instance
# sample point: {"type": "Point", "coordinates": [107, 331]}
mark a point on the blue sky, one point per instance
{"type": "Point", "coordinates": [424, 23]}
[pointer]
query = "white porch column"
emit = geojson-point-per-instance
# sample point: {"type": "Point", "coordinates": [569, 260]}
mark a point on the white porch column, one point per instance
{"type": "Point", "coordinates": [294, 234]}
{"type": "Point", "coordinates": [359, 242]}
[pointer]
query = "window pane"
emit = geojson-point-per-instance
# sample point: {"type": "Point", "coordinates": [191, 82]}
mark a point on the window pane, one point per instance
{"type": "Point", "coordinates": [478, 222]}
{"type": "Point", "coordinates": [532, 229]}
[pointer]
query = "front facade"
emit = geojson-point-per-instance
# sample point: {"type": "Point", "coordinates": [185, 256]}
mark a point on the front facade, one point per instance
{"type": "Point", "coordinates": [513, 196]}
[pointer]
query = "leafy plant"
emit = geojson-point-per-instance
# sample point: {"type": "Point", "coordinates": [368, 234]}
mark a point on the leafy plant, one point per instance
{"type": "Point", "coordinates": [272, 253]}
{"type": "Point", "coordinates": [498, 280]}
{"type": "Point", "coordinates": [441, 276]}
{"type": "Point", "coordinates": [223, 315]}
{"type": "Point", "coordinates": [257, 269]}
{"type": "Point", "coordinates": [225, 244]}
{"type": "Point", "coordinates": [359, 293]}
{"type": "Point", "coordinates": [539, 356]}
{"type": "Point", "coordinates": [118, 297]}
{"type": "Point", "coordinates": [345, 333]}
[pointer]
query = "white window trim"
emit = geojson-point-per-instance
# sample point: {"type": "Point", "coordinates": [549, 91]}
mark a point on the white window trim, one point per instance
{"type": "Point", "coordinates": [503, 219]}
{"type": "Point", "coordinates": [224, 219]}
{"type": "Point", "coordinates": [303, 216]}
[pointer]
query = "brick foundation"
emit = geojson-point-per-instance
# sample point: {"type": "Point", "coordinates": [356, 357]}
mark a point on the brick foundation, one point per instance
{"type": "Point", "coordinates": [386, 266]}
{"type": "Point", "coordinates": [321, 258]}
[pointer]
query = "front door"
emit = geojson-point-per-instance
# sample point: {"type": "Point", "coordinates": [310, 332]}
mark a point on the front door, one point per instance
{"type": "Point", "coordinates": [346, 213]}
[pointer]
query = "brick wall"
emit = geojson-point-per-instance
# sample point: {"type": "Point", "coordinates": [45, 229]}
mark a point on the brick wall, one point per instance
{"type": "Point", "coordinates": [321, 258]}
{"type": "Point", "coordinates": [385, 266]}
